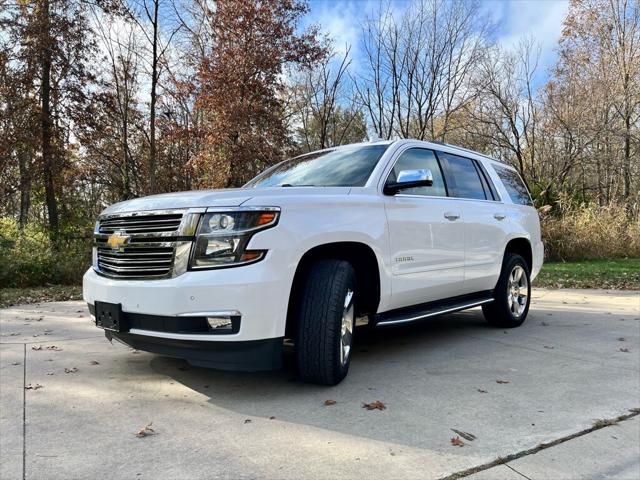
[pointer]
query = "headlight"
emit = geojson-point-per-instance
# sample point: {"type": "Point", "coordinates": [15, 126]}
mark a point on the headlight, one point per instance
{"type": "Point", "coordinates": [223, 237]}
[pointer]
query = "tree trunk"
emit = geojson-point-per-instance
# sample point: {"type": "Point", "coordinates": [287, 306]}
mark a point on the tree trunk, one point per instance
{"type": "Point", "coordinates": [627, 158]}
{"type": "Point", "coordinates": [48, 154]}
{"type": "Point", "coordinates": [25, 189]}
{"type": "Point", "coordinates": [152, 110]}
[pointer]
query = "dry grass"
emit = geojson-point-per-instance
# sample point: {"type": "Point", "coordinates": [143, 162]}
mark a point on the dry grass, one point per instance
{"type": "Point", "coordinates": [590, 232]}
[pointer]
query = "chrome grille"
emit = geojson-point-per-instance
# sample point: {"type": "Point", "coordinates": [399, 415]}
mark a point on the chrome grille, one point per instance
{"type": "Point", "coordinates": [142, 223]}
{"type": "Point", "coordinates": [149, 247]}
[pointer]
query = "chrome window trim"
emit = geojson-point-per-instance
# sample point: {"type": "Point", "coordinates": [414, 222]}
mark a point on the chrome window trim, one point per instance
{"type": "Point", "coordinates": [493, 202]}
{"type": "Point", "coordinates": [395, 156]}
{"type": "Point", "coordinates": [393, 163]}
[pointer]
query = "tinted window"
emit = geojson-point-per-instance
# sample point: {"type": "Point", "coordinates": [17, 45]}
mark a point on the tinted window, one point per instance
{"type": "Point", "coordinates": [489, 187]}
{"type": "Point", "coordinates": [415, 159]}
{"type": "Point", "coordinates": [343, 167]}
{"type": "Point", "coordinates": [462, 177]}
{"type": "Point", "coordinates": [514, 185]}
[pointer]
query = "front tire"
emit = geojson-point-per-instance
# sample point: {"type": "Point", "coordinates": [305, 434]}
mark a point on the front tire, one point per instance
{"type": "Point", "coordinates": [326, 321]}
{"type": "Point", "coordinates": [512, 294]}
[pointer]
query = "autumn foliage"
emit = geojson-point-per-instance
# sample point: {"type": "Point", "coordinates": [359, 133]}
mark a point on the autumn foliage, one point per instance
{"type": "Point", "coordinates": [241, 87]}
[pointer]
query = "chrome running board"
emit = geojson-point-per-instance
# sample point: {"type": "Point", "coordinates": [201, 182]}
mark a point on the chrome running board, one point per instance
{"type": "Point", "coordinates": [432, 309]}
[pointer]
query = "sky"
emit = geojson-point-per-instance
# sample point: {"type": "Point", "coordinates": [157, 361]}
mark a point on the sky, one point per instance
{"type": "Point", "coordinates": [514, 19]}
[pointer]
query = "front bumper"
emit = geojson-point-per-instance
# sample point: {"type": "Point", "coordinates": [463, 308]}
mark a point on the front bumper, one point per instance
{"type": "Point", "coordinates": [258, 293]}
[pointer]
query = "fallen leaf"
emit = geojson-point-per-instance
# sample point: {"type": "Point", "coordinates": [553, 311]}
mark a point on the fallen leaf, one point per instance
{"type": "Point", "coordinates": [16, 363]}
{"type": "Point", "coordinates": [502, 382]}
{"type": "Point", "coordinates": [54, 348]}
{"type": "Point", "coordinates": [94, 362]}
{"type": "Point", "coordinates": [625, 350]}
{"type": "Point", "coordinates": [36, 347]}
{"type": "Point", "coordinates": [604, 423]}
{"type": "Point", "coordinates": [248, 420]}
{"type": "Point", "coordinates": [456, 442]}
{"type": "Point", "coordinates": [466, 435]}
{"type": "Point", "coordinates": [33, 387]}
{"type": "Point", "coordinates": [50, 373]}
{"type": "Point", "coordinates": [71, 370]}
{"type": "Point", "coordinates": [329, 402]}
{"type": "Point", "coordinates": [272, 418]}
{"type": "Point", "coordinates": [622, 339]}
{"type": "Point", "coordinates": [549, 347]}
{"type": "Point", "coordinates": [377, 405]}
{"type": "Point", "coordinates": [482, 391]}
{"type": "Point", "coordinates": [146, 431]}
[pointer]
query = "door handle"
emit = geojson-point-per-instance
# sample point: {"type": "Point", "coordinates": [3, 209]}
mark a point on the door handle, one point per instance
{"type": "Point", "coordinates": [452, 216]}
{"type": "Point", "coordinates": [499, 216]}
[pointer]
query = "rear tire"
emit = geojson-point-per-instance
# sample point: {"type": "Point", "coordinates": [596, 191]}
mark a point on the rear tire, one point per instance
{"type": "Point", "coordinates": [326, 321]}
{"type": "Point", "coordinates": [512, 294]}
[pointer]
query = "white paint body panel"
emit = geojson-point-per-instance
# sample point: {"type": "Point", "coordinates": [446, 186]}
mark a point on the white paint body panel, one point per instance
{"type": "Point", "coordinates": [449, 257]}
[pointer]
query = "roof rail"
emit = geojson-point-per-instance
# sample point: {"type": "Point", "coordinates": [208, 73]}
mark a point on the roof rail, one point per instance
{"type": "Point", "coordinates": [467, 150]}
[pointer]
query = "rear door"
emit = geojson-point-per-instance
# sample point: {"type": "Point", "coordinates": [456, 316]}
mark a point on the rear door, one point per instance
{"type": "Point", "coordinates": [426, 234]}
{"type": "Point", "coordinates": [485, 225]}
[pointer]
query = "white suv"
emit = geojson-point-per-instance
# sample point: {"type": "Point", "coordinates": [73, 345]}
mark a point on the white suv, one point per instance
{"type": "Point", "coordinates": [392, 232]}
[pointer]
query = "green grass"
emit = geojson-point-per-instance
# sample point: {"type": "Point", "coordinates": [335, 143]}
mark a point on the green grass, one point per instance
{"type": "Point", "coordinates": [54, 293]}
{"type": "Point", "coordinates": [622, 273]}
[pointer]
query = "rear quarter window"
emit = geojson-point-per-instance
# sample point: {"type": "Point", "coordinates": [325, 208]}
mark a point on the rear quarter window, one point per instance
{"type": "Point", "coordinates": [514, 185]}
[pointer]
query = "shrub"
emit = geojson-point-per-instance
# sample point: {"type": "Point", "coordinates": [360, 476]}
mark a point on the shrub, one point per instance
{"type": "Point", "coordinates": [28, 259]}
{"type": "Point", "coordinates": [581, 232]}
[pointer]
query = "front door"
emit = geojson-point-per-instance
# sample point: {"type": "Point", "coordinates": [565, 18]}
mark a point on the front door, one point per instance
{"type": "Point", "coordinates": [426, 232]}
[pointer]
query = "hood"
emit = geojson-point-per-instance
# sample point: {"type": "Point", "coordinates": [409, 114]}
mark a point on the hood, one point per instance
{"type": "Point", "coordinates": [228, 197]}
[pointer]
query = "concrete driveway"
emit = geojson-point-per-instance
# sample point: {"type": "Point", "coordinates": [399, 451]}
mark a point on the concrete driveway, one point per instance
{"type": "Point", "coordinates": [72, 403]}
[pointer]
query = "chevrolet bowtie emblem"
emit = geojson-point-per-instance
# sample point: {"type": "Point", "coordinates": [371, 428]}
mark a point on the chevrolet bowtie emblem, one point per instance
{"type": "Point", "coordinates": [117, 240]}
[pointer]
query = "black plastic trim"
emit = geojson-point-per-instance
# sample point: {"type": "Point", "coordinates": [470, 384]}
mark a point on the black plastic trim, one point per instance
{"type": "Point", "coordinates": [246, 356]}
{"type": "Point", "coordinates": [173, 324]}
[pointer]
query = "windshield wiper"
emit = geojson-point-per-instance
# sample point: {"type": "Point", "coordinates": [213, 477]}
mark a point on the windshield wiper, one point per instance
{"type": "Point", "coordinates": [289, 185]}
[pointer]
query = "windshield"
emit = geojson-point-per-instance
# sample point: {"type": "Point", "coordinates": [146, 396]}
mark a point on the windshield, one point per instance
{"type": "Point", "coordinates": [343, 167]}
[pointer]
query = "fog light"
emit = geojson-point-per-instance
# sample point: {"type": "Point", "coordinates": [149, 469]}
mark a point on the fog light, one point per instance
{"type": "Point", "coordinates": [220, 323]}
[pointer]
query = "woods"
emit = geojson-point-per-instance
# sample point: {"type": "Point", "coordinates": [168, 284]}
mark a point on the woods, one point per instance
{"type": "Point", "coordinates": [107, 100]}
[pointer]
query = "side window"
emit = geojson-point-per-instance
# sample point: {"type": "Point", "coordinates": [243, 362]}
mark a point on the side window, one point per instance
{"type": "Point", "coordinates": [462, 177]}
{"type": "Point", "coordinates": [417, 158]}
{"type": "Point", "coordinates": [488, 183]}
{"type": "Point", "coordinates": [514, 185]}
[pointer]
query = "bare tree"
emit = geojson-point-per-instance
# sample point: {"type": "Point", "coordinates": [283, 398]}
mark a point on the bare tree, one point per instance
{"type": "Point", "coordinates": [421, 63]}
{"type": "Point", "coordinates": [506, 104]}
{"type": "Point", "coordinates": [322, 108]}
{"type": "Point", "coordinates": [149, 20]}
{"type": "Point", "coordinates": [122, 48]}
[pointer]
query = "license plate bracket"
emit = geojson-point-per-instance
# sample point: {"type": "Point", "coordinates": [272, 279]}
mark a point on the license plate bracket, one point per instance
{"type": "Point", "coordinates": [109, 317]}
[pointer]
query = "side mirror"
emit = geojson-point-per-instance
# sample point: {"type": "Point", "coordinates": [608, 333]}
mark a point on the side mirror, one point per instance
{"type": "Point", "coordinates": [409, 179]}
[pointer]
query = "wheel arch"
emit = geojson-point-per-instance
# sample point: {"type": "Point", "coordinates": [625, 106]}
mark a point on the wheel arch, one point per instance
{"type": "Point", "coordinates": [365, 264]}
{"type": "Point", "coordinates": [521, 246]}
